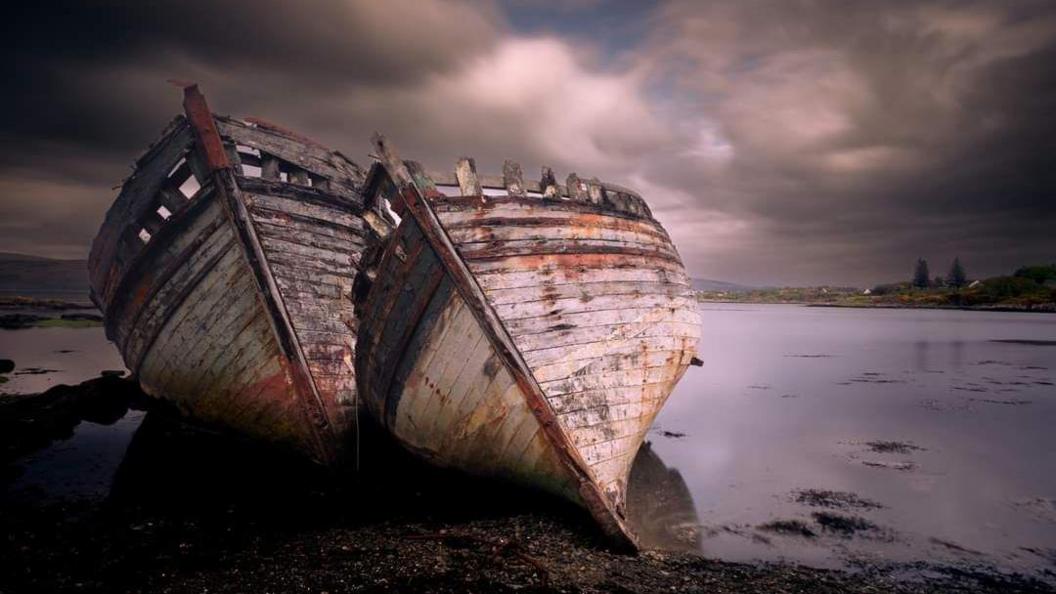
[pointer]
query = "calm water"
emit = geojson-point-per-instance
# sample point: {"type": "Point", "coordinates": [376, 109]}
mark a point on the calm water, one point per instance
{"type": "Point", "coordinates": [45, 357]}
{"type": "Point", "coordinates": [789, 399]}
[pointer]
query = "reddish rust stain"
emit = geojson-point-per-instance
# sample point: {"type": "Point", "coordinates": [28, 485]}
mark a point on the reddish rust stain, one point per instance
{"type": "Point", "coordinates": [141, 292]}
{"type": "Point", "coordinates": [204, 126]}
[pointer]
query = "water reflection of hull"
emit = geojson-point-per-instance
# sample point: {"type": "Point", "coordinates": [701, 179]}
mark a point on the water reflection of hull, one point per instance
{"type": "Point", "coordinates": [524, 337]}
{"type": "Point", "coordinates": [660, 506]}
{"type": "Point", "coordinates": [223, 270]}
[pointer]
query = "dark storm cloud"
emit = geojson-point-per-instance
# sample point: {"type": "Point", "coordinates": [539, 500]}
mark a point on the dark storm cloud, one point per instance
{"type": "Point", "coordinates": [89, 72]}
{"type": "Point", "coordinates": [783, 142]}
{"type": "Point", "coordinates": [850, 138]}
{"type": "Point", "coordinates": [88, 85]}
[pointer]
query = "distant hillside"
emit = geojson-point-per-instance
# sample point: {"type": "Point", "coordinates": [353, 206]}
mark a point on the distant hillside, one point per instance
{"type": "Point", "coordinates": [33, 276]}
{"type": "Point", "coordinates": [707, 284]}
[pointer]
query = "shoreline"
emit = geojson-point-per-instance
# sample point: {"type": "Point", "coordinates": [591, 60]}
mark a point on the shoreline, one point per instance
{"type": "Point", "coordinates": [1002, 309]}
{"type": "Point", "coordinates": [191, 509]}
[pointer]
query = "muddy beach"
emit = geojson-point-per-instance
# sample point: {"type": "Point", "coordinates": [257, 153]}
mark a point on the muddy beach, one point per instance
{"type": "Point", "coordinates": [815, 483]}
{"type": "Point", "coordinates": [185, 508]}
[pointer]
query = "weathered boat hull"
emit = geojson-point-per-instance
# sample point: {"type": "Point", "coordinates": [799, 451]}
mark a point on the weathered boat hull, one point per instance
{"type": "Point", "coordinates": [529, 338]}
{"type": "Point", "coordinates": [224, 271]}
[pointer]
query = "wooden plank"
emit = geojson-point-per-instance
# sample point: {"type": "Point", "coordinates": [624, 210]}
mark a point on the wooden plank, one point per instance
{"type": "Point", "coordinates": [137, 196]}
{"type": "Point", "coordinates": [583, 291]}
{"type": "Point", "coordinates": [339, 201]}
{"type": "Point", "coordinates": [619, 344]}
{"type": "Point", "coordinates": [570, 402]}
{"type": "Point", "coordinates": [503, 344]}
{"type": "Point", "coordinates": [466, 172]}
{"type": "Point", "coordinates": [230, 197]}
{"type": "Point", "coordinates": [559, 308]}
{"type": "Point", "coordinates": [571, 336]}
{"type": "Point", "coordinates": [314, 158]}
{"type": "Point", "coordinates": [522, 256]}
{"type": "Point", "coordinates": [552, 228]}
{"type": "Point", "coordinates": [533, 247]}
{"type": "Point", "coordinates": [589, 319]}
{"type": "Point", "coordinates": [534, 206]}
{"type": "Point", "coordinates": [513, 178]}
{"type": "Point", "coordinates": [548, 184]}
{"type": "Point", "coordinates": [505, 279]}
{"type": "Point", "coordinates": [269, 166]}
{"type": "Point", "coordinates": [559, 265]}
{"type": "Point", "coordinates": [609, 379]}
{"type": "Point", "coordinates": [577, 188]}
{"type": "Point", "coordinates": [611, 362]}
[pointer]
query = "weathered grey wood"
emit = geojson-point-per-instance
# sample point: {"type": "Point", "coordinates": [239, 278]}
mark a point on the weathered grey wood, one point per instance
{"type": "Point", "coordinates": [136, 198]}
{"type": "Point", "coordinates": [513, 178]}
{"type": "Point", "coordinates": [466, 172]}
{"type": "Point", "coordinates": [340, 196]}
{"type": "Point", "coordinates": [539, 263]}
{"type": "Point", "coordinates": [556, 294]}
{"type": "Point", "coordinates": [548, 184]}
{"type": "Point", "coordinates": [185, 308]}
{"type": "Point", "coordinates": [152, 222]}
{"type": "Point", "coordinates": [526, 390]}
{"type": "Point", "coordinates": [299, 176]}
{"type": "Point", "coordinates": [269, 166]}
{"type": "Point", "coordinates": [306, 155]}
{"type": "Point", "coordinates": [489, 230]}
{"type": "Point", "coordinates": [596, 191]}
{"type": "Point", "coordinates": [554, 208]}
{"type": "Point", "coordinates": [172, 199]}
{"type": "Point", "coordinates": [577, 189]}
{"type": "Point", "coordinates": [498, 182]}
{"type": "Point", "coordinates": [535, 246]}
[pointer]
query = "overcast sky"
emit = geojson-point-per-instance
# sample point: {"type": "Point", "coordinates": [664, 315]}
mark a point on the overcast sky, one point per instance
{"type": "Point", "coordinates": [778, 142]}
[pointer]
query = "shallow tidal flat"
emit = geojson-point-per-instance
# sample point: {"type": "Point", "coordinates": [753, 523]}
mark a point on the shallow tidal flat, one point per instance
{"type": "Point", "coordinates": [821, 450]}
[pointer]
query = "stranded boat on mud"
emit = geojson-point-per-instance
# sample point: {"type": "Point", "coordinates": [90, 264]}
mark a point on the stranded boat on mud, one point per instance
{"type": "Point", "coordinates": [223, 270]}
{"type": "Point", "coordinates": [532, 335]}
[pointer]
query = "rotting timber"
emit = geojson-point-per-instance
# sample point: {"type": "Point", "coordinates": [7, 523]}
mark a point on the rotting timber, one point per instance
{"type": "Point", "coordinates": [224, 270]}
{"type": "Point", "coordinates": [531, 335]}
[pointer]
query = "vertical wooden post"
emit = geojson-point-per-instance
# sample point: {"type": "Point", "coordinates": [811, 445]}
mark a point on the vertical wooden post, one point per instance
{"type": "Point", "coordinates": [548, 184]}
{"type": "Point", "coordinates": [577, 190]}
{"type": "Point", "coordinates": [596, 191]}
{"type": "Point", "coordinates": [513, 178]}
{"type": "Point", "coordinates": [269, 166]}
{"type": "Point", "coordinates": [466, 172]}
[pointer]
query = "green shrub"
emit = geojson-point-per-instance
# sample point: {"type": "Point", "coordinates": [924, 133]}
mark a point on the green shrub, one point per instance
{"type": "Point", "coordinates": [1038, 274]}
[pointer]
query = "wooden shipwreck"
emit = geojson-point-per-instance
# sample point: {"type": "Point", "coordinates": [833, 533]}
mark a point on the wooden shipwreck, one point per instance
{"type": "Point", "coordinates": [224, 270]}
{"type": "Point", "coordinates": [532, 335]}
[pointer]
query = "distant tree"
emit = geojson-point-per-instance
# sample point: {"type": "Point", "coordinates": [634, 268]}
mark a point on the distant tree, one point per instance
{"type": "Point", "coordinates": [938, 281]}
{"type": "Point", "coordinates": [956, 277]}
{"type": "Point", "coordinates": [1038, 274]}
{"type": "Point", "coordinates": [921, 279]}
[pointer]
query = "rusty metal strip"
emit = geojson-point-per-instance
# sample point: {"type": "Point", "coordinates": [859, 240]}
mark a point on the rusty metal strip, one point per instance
{"type": "Point", "coordinates": [415, 201]}
{"type": "Point", "coordinates": [223, 177]}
